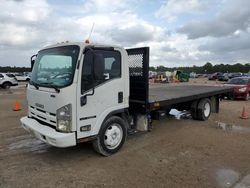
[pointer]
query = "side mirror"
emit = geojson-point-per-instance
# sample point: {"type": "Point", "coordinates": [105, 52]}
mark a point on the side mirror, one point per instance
{"type": "Point", "coordinates": [98, 67]}
{"type": "Point", "coordinates": [32, 61]}
{"type": "Point", "coordinates": [32, 64]}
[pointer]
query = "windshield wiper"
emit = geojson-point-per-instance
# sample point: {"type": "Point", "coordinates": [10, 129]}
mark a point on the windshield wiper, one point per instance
{"type": "Point", "coordinates": [56, 88]}
{"type": "Point", "coordinates": [52, 86]}
{"type": "Point", "coordinates": [34, 84]}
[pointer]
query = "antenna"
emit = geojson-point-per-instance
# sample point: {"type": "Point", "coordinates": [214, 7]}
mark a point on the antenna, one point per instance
{"type": "Point", "coordinates": [91, 31]}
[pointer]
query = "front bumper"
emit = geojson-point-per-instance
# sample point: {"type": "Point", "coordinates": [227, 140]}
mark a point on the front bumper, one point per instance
{"type": "Point", "coordinates": [240, 95]}
{"type": "Point", "coordinates": [48, 134]}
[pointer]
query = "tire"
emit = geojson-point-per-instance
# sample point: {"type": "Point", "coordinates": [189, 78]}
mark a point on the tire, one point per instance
{"type": "Point", "coordinates": [231, 96]}
{"type": "Point", "coordinates": [167, 111]}
{"type": "Point", "coordinates": [112, 136]}
{"type": "Point", "coordinates": [204, 109]}
{"type": "Point", "coordinates": [194, 110]}
{"type": "Point", "coordinates": [6, 85]}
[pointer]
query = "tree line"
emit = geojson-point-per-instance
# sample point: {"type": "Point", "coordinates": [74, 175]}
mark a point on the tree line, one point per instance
{"type": "Point", "coordinates": [207, 68]}
{"type": "Point", "coordinates": [15, 69]}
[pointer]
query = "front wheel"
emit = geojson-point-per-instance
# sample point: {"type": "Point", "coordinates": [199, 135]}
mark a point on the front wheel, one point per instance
{"type": "Point", "coordinates": [111, 137]}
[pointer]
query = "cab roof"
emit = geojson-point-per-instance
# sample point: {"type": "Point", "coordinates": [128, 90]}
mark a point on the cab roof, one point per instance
{"type": "Point", "coordinates": [81, 44]}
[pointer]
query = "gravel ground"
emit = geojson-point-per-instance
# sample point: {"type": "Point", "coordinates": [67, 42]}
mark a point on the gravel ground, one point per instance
{"type": "Point", "coordinates": [177, 153]}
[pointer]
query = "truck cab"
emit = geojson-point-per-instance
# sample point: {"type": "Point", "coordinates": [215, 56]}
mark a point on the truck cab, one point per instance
{"type": "Point", "coordinates": [79, 92]}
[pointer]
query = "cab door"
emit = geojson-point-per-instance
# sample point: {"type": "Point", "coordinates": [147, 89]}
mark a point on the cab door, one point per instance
{"type": "Point", "coordinates": [100, 89]}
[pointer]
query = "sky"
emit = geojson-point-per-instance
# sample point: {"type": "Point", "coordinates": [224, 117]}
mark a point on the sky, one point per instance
{"type": "Point", "coordinates": [178, 32]}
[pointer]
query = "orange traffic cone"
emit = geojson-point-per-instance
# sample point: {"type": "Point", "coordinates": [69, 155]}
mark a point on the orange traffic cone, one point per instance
{"type": "Point", "coordinates": [16, 106]}
{"type": "Point", "coordinates": [244, 114]}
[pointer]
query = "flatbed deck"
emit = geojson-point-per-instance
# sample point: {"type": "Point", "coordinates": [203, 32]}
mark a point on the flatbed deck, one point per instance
{"type": "Point", "coordinates": [172, 94]}
{"type": "Point", "coordinates": [145, 97]}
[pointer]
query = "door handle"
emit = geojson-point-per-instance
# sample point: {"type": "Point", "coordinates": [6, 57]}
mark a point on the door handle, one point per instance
{"type": "Point", "coordinates": [120, 97]}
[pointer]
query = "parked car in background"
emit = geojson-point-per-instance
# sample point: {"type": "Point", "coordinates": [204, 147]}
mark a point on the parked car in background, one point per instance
{"type": "Point", "coordinates": [22, 77]}
{"type": "Point", "coordinates": [215, 76]}
{"type": "Point", "coordinates": [246, 74]}
{"type": "Point", "coordinates": [7, 80]}
{"type": "Point", "coordinates": [193, 75]}
{"type": "Point", "coordinates": [223, 77]}
{"type": "Point", "coordinates": [234, 75]}
{"type": "Point", "coordinates": [200, 75]}
{"type": "Point", "coordinates": [241, 87]}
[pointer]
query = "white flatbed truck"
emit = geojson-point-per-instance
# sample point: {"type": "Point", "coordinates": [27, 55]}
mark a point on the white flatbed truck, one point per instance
{"type": "Point", "coordinates": [82, 92]}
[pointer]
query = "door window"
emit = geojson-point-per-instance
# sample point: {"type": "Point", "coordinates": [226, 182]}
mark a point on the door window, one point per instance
{"type": "Point", "coordinates": [110, 65]}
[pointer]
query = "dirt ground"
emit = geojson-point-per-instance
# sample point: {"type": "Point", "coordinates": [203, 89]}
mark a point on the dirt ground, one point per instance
{"type": "Point", "coordinates": [177, 153]}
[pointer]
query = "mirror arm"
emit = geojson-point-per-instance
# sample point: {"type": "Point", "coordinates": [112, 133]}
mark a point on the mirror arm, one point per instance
{"type": "Point", "coordinates": [84, 98]}
{"type": "Point", "coordinates": [90, 94]}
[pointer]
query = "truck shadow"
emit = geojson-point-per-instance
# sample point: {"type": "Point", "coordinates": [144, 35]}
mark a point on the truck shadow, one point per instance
{"type": "Point", "coordinates": [80, 151]}
{"type": "Point", "coordinates": [27, 144]}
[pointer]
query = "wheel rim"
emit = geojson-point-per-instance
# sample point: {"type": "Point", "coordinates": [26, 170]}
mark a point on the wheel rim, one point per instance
{"type": "Point", "coordinates": [207, 109]}
{"type": "Point", "coordinates": [113, 136]}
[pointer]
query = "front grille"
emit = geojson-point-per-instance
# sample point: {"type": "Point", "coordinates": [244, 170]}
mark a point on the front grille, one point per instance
{"type": "Point", "coordinates": [44, 116]}
{"type": "Point", "coordinates": [41, 117]}
{"type": "Point", "coordinates": [43, 123]}
{"type": "Point", "coordinates": [40, 110]}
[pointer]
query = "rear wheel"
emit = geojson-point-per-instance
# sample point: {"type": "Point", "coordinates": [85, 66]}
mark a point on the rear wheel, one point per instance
{"type": "Point", "coordinates": [167, 111]}
{"type": "Point", "coordinates": [194, 110]}
{"type": "Point", "coordinates": [6, 85]}
{"type": "Point", "coordinates": [204, 109]}
{"type": "Point", "coordinates": [111, 137]}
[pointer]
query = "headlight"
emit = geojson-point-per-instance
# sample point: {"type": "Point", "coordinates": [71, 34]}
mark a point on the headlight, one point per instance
{"type": "Point", "coordinates": [64, 118]}
{"type": "Point", "coordinates": [242, 89]}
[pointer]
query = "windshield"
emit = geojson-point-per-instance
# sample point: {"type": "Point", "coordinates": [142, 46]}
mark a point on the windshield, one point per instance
{"type": "Point", "coordinates": [238, 81]}
{"type": "Point", "coordinates": [11, 75]}
{"type": "Point", "coordinates": [55, 67]}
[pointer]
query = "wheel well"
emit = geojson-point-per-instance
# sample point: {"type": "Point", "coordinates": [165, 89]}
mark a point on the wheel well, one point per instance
{"type": "Point", "coordinates": [123, 113]}
{"type": "Point", "coordinates": [7, 82]}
